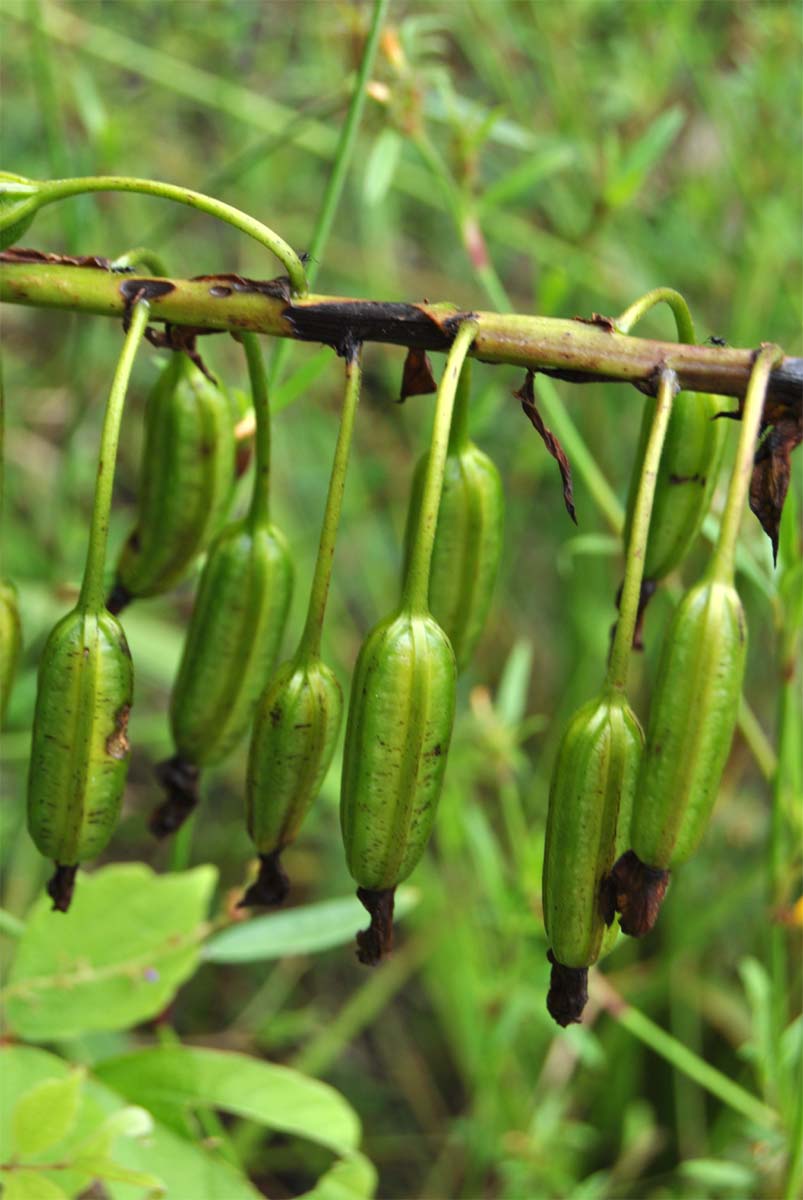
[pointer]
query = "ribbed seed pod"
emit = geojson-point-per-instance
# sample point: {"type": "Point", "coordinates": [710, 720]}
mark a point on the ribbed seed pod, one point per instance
{"type": "Point", "coordinates": [686, 479]}
{"type": "Point", "coordinates": [401, 711]}
{"type": "Point", "coordinates": [10, 641]}
{"type": "Point", "coordinates": [397, 738]}
{"type": "Point", "coordinates": [298, 716]}
{"type": "Point", "coordinates": [231, 647]}
{"type": "Point", "coordinates": [80, 750]}
{"type": "Point", "coordinates": [234, 635]}
{"type": "Point", "coordinates": [185, 485]}
{"type": "Point", "coordinates": [692, 719]}
{"type": "Point", "coordinates": [593, 784]}
{"type": "Point", "coordinates": [468, 544]}
{"type": "Point", "coordinates": [295, 733]}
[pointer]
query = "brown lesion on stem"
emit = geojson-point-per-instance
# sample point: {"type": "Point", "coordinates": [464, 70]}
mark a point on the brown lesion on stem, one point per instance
{"type": "Point", "coordinates": [180, 779]}
{"type": "Point", "coordinates": [646, 592]}
{"type": "Point", "coordinates": [636, 892]}
{"type": "Point", "coordinates": [376, 942]}
{"type": "Point", "coordinates": [61, 886]}
{"type": "Point", "coordinates": [271, 885]}
{"type": "Point", "coordinates": [568, 992]}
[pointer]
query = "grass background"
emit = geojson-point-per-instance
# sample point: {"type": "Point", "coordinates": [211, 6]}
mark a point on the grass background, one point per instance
{"type": "Point", "coordinates": [598, 149]}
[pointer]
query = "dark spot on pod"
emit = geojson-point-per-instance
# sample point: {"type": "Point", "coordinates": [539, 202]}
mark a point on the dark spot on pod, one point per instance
{"type": "Point", "coordinates": [271, 886]}
{"type": "Point", "coordinates": [220, 291]}
{"type": "Point", "coordinates": [568, 992]}
{"type": "Point", "coordinates": [275, 716]}
{"type": "Point", "coordinates": [117, 743]}
{"type": "Point", "coordinates": [698, 478]}
{"type": "Point", "coordinates": [180, 780]}
{"type": "Point", "coordinates": [639, 892]}
{"type": "Point", "coordinates": [61, 887]}
{"type": "Point", "coordinates": [376, 942]}
{"type": "Point", "coordinates": [145, 289]}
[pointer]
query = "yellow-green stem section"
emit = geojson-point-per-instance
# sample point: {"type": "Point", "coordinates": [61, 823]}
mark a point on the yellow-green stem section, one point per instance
{"type": "Point", "coordinates": [415, 593]}
{"type": "Point", "coordinates": [259, 512]}
{"type": "Point", "coordinates": [636, 550]}
{"type": "Point", "coordinates": [93, 589]}
{"type": "Point", "coordinates": [458, 433]}
{"type": "Point", "coordinates": [310, 644]}
{"type": "Point", "coordinates": [722, 564]}
{"type": "Point", "coordinates": [661, 295]}
{"type": "Point", "coordinates": [60, 189]}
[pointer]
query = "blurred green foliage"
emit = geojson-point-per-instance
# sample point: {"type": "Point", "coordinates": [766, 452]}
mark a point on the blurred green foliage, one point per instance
{"type": "Point", "coordinates": [562, 159]}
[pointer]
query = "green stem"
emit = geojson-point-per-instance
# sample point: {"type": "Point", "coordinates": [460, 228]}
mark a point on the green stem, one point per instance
{"type": "Point", "coordinates": [683, 1059]}
{"type": "Point", "coordinates": [181, 846]}
{"type": "Point", "coordinates": [680, 309]}
{"type": "Point", "coordinates": [345, 145]}
{"type": "Point", "coordinates": [310, 644]}
{"type": "Point", "coordinates": [10, 925]}
{"type": "Point", "coordinates": [93, 589]}
{"type": "Point", "coordinates": [458, 434]}
{"type": "Point", "coordinates": [757, 741]}
{"type": "Point", "coordinates": [340, 165]}
{"type": "Point", "coordinates": [639, 533]}
{"type": "Point", "coordinates": [722, 563]}
{"type": "Point", "coordinates": [415, 593]}
{"type": "Point", "coordinates": [141, 255]}
{"type": "Point", "coordinates": [59, 189]}
{"type": "Point", "coordinates": [259, 512]}
{"type": "Point", "coordinates": [794, 1177]}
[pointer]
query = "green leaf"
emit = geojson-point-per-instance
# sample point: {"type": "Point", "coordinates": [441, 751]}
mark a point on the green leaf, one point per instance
{"type": "Point", "coordinates": [30, 1185]}
{"type": "Point", "coordinates": [530, 170]}
{"type": "Point", "coordinates": [716, 1175]}
{"type": "Point", "coordinates": [184, 1168]}
{"type": "Point", "coordinates": [381, 166]}
{"type": "Point", "coordinates": [45, 1114]}
{"type": "Point", "coordinates": [352, 1178]}
{"type": "Point", "coordinates": [639, 159]}
{"type": "Point", "coordinates": [130, 1121]}
{"type": "Point", "coordinates": [169, 1080]}
{"type": "Point", "coordinates": [98, 1166]}
{"type": "Point", "coordinates": [304, 930]}
{"type": "Point", "coordinates": [116, 958]}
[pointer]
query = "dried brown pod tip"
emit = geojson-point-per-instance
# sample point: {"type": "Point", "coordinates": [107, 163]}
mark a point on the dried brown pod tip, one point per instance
{"type": "Point", "coordinates": [639, 891]}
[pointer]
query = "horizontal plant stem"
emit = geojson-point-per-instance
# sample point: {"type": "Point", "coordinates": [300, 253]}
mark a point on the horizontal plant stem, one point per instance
{"type": "Point", "coordinates": [570, 349]}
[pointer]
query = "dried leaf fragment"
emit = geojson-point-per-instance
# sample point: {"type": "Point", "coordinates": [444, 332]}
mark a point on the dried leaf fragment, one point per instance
{"type": "Point", "coordinates": [526, 396]}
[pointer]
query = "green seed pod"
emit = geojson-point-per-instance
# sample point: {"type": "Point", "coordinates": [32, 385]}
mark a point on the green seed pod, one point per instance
{"type": "Point", "coordinates": [185, 484]}
{"type": "Point", "coordinates": [593, 784]}
{"type": "Point", "coordinates": [692, 719]}
{"type": "Point", "coordinates": [295, 733]}
{"type": "Point", "coordinates": [686, 479]}
{"type": "Point", "coordinates": [397, 738]}
{"type": "Point", "coordinates": [10, 641]}
{"type": "Point", "coordinates": [468, 544]}
{"type": "Point", "coordinates": [80, 750]}
{"type": "Point", "coordinates": [401, 710]}
{"type": "Point", "coordinates": [20, 199]}
{"type": "Point", "coordinates": [231, 647]}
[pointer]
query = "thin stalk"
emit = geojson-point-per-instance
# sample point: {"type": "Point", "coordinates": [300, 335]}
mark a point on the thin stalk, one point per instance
{"type": "Point", "coordinates": [757, 741]}
{"type": "Point", "coordinates": [259, 512]}
{"type": "Point", "coordinates": [310, 644]}
{"type": "Point", "coordinates": [340, 164]}
{"type": "Point", "coordinates": [10, 925]}
{"type": "Point", "coordinates": [60, 189]}
{"type": "Point", "coordinates": [634, 564]}
{"type": "Point", "coordinates": [666, 295]}
{"type": "Point", "coordinates": [181, 846]}
{"type": "Point", "coordinates": [93, 589]}
{"type": "Point", "coordinates": [722, 563]}
{"type": "Point", "coordinates": [794, 1176]}
{"type": "Point", "coordinates": [458, 433]}
{"type": "Point", "coordinates": [141, 256]}
{"type": "Point", "coordinates": [415, 592]}
{"type": "Point", "coordinates": [682, 1058]}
